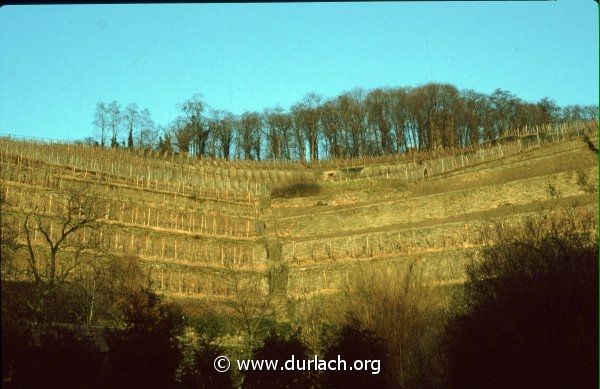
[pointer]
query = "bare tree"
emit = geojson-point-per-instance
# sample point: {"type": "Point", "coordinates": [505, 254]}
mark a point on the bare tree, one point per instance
{"type": "Point", "coordinates": [101, 121]}
{"type": "Point", "coordinates": [131, 118]}
{"type": "Point", "coordinates": [475, 117]}
{"type": "Point", "coordinates": [281, 123]}
{"type": "Point", "coordinates": [330, 121]}
{"type": "Point", "coordinates": [254, 300]}
{"type": "Point", "coordinates": [165, 140]}
{"type": "Point", "coordinates": [352, 120]}
{"type": "Point", "coordinates": [307, 121]}
{"type": "Point", "coordinates": [193, 109]}
{"type": "Point", "coordinates": [272, 133]}
{"type": "Point", "coordinates": [58, 243]}
{"type": "Point", "coordinates": [503, 104]}
{"type": "Point", "coordinates": [353, 124]}
{"type": "Point", "coordinates": [184, 133]}
{"type": "Point", "coordinates": [297, 112]}
{"type": "Point", "coordinates": [104, 287]}
{"type": "Point", "coordinates": [400, 304]}
{"type": "Point", "coordinates": [405, 135]}
{"type": "Point", "coordinates": [148, 135]}
{"type": "Point", "coordinates": [221, 127]}
{"type": "Point", "coordinates": [378, 105]}
{"type": "Point", "coordinates": [590, 112]}
{"type": "Point", "coordinates": [114, 121]}
{"type": "Point", "coordinates": [249, 139]}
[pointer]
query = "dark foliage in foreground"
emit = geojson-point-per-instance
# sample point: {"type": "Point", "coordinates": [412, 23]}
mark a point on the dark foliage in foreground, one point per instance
{"type": "Point", "coordinates": [202, 374]}
{"type": "Point", "coordinates": [37, 358]}
{"type": "Point", "coordinates": [351, 343]}
{"type": "Point", "coordinates": [281, 348]}
{"type": "Point", "coordinates": [146, 354]}
{"type": "Point", "coordinates": [526, 317]}
{"type": "Point", "coordinates": [529, 313]}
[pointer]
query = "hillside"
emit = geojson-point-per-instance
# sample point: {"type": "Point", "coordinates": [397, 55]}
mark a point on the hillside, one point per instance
{"type": "Point", "coordinates": [193, 222]}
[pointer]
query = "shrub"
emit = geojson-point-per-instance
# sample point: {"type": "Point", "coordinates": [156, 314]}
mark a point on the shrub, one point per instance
{"type": "Point", "coordinates": [302, 187]}
{"type": "Point", "coordinates": [279, 347]}
{"type": "Point", "coordinates": [210, 326]}
{"type": "Point", "coordinates": [47, 357]}
{"type": "Point", "coordinates": [401, 306]}
{"type": "Point", "coordinates": [351, 343]}
{"type": "Point", "coordinates": [527, 315]}
{"type": "Point", "coordinates": [146, 354]}
{"type": "Point", "coordinates": [201, 372]}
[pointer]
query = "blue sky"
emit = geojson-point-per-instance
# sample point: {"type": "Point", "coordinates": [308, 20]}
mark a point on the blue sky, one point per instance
{"type": "Point", "coordinates": [58, 61]}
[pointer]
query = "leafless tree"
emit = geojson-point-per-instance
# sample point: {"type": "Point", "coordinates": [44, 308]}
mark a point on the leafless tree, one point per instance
{"type": "Point", "coordinates": [353, 124]}
{"type": "Point", "coordinates": [183, 133]}
{"type": "Point", "coordinates": [101, 121]}
{"type": "Point", "coordinates": [249, 135]}
{"type": "Point", "coordinates": [330, 122]}
{"type": "Point", "coordinates": [352, 120]}
{"type": "Point", "coordinates": [405, 135]}
{"type": "Point", "coordinates": [221, 126]}
{"type": "Point", "coordinates": [57, 243]}
{"type": "Point", "coordinates": [401, 305]}
{"type": "Point", "coordinates": [254, 299]}
{"type": "Point", "coordinates": [306, 119]}
{"type": "Point", "coordinates": [115, 118]}
{"type": "Point", "coordinates": [276, 131]}
{"type": "Point", "coordinates": [148, 134]}
{"type": "Point", "coordinates": [298, 115]}
{"type": "Point", "coordinates": [131, 118]}
{"type": "Point", "coordinates": [195, 124]}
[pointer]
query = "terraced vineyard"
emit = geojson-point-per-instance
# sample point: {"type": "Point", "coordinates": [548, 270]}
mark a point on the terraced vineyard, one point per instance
{"type": "Point", "coordinates": [193, 222]}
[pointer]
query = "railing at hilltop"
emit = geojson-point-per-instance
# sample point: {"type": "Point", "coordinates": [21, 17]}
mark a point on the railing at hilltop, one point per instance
{"type": "Point", "coordinates": [37, 139]}
{"type": "Point", "coordinates": [573, 128]}
{"type": "Point", "coordinates": [247, 181]}
{"type": "Point", "coordinates": [172, 157]}
{"type": "Point", "coordinates": [426, 164]}
{"type": "Point", "coordinates": [146, 173]}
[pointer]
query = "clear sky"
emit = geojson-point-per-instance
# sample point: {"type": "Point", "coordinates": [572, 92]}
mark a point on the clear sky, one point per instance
{"type": "Point", "coordinates": [58, 61]}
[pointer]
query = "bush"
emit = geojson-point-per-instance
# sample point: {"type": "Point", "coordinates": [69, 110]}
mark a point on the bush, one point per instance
{"type": "Point", "coordinates": [528, 311]}
{"type": "Point", "coordinates": [300, 188]}
{"type": "Point", "coordinates": [146, 354]}
{"type": "Point", "coordinates": [210, 326]}
{"type": "Point", "coordinates": [48, 358]}
{"type": "Point", "coordinates": [407, 312]}
{"type": "Point", "coordinates": [279, 347]}
{"type": "Point", "coordinates": [201, 373]}
{"type": "Point", "coordinates": [351, 343]}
